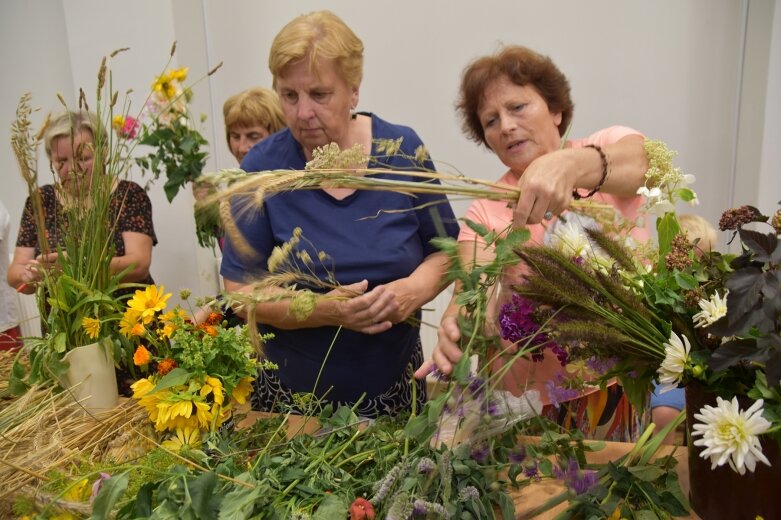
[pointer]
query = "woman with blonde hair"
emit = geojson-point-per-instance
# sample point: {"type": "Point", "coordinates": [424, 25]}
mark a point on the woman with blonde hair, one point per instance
{"type": "Point", "coordinates": [359, 347]}
{"type": "Point", "coordinates": [69, 141]}
{"type": "Point", "coordinates": [250, 116]}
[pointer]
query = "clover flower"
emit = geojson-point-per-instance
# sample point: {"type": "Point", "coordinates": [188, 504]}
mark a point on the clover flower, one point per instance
{"type": "Point", "coordinates": [730, 434]}
{"type": "Point", "coordinates": [712, 310]}
{"type": "Point", "coordinates": [676, 357]}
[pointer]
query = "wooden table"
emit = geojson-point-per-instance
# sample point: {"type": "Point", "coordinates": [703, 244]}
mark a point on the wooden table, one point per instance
{"type": "Point", "coordinates": [529, 497]}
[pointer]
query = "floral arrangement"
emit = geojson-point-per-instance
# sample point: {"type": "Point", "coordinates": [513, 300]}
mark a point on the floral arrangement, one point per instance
{"type": "Point", "coordinates": [684, 316]}
{"type": "Point", "coordinates": [167, 126]}
{"type": "Point", "coordinates": [196, 373]}
{"type": "Point", "coordinates": [77, 298]}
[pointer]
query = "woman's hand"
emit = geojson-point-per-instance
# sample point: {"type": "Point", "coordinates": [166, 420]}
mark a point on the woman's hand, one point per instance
{"type": "Point", "coordinates": [446, 353]}
{"type": "Point", "coordinates": [366, 312]}
{"type": "Point", "coordinates": [546, 186]}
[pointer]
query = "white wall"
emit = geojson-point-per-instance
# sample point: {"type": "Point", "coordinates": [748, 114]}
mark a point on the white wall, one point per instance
{"type": "Point", "coordinates": [671, 69]}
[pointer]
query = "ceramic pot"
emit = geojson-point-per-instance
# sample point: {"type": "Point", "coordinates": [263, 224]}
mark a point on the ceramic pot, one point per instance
{"type": "Point", "coordinates": [721, 493]}
{"type": "Point", "coordinates": [91, 377]}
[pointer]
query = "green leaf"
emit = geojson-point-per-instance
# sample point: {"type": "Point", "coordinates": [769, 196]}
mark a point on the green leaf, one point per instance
{"type": "Point", "coordinates": [110, 492]}
{"type": "Point", "coordinates": [205, 503]}
{"type": "Point", "coordinates": [177, 376]}
{"type": "Point", "coordinates": [507, 506]}
{"type": "Point", "coordinates": [238, 504]}
{"type": "Point", "coordinates": [646, 473]}
{"type": "Point", "coordinates": [332, 506]}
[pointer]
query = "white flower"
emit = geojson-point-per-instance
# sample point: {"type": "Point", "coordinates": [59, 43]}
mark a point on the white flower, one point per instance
{"type": "Point", "coordinates": [571, 241]}
{"type": "Point", "coordinates": [676, 356]}
{"type": "Point", "coordinates": [730, 434]}
{"type": "Point", "coordinates": [712, 310]}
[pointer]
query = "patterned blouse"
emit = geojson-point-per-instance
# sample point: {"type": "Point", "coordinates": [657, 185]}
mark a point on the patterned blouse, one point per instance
{"type": "Point", "coordinates": [130, 208]}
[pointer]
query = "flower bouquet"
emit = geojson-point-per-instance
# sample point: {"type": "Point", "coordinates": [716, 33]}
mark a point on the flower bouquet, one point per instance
{"type": "Point", "coordinates": [196, 374]}
{"type": "Point", "coordinates": [77, 297]}
{"type": "Point", "coordinates": [179, 149]}
{"type": "Point", "coordinates": [685, 317]}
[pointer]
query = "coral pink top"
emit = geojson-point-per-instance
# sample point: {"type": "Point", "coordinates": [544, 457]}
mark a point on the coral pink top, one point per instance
{"type": "Point", "coordinates": [497, 216]}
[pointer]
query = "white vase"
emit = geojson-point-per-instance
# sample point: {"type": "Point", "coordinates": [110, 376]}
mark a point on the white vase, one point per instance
{"type": "Point", "coordinates": [91, 378]}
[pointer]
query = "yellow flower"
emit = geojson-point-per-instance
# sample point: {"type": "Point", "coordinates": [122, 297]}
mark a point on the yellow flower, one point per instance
{"type": "Point", "coordinates": [128, 321]}
{"type": "Point", "coordinates": [91, 327]}
{"type": "Point", "coordinates": [179, 74]}
{"type": "Point", "coordinates": [185, 438]}
{"type": "Point", "coordinates": [167, 330]}
{"type": "Point", "coordinates": [148, 302]}
{"type": "Point", "coordinates": [203, 414]}
{"type": "Point", "coordinates": [78, 492]}
{"type": "Point", "coordinates": [118, 122]}
{"type": "Point", "coordinates": [242, 390]}
{"type": "Point", "coordinates": [141, 387]}
{"type": "Point", "coordinates": [213, 386]}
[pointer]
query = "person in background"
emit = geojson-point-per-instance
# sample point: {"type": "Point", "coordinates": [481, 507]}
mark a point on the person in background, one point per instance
{"type": "Point", "coordinates": [356, 348]}
{"type": "Point", "coordinates": [69, 143]}
{"type": "Point", "coordinates": [517, 103]}
{"type": "Point", "coordinates": [665, 406]}
{"type": "Point", "coordinates": [9, 308]}
{"type": "Point", "coordinates": [250, 116]}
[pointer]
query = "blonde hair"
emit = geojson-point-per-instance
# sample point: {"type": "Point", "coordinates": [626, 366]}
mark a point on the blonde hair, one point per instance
{"type": "Point", "coordinates": [68, 123]}
{"type": "Point", "coordinates": [251, 107]}
{"type": "Point", "coordinates": [694, 227]}
{"type": "Point", "coordinates": [320, 34]}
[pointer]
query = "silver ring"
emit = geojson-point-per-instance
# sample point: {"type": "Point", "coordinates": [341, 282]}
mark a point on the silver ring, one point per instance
{"type": "Point", "coordinates": [548, 215]}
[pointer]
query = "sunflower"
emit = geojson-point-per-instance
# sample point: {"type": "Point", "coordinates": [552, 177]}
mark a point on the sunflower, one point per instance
{"type": "Point", "coordinates": [184, 439]}
{"type": "Point", "coordinates": [242, 390]}
{"type": "Point", "coordinates": [213, 386]}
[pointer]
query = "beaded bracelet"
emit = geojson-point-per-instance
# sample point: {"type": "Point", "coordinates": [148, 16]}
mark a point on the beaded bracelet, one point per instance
{"type": "Point", "coordinates": [603, 157]}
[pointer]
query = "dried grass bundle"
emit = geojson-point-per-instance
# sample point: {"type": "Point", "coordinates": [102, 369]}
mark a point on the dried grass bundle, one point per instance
{"type": "Point", "coordinates": [43, 430]}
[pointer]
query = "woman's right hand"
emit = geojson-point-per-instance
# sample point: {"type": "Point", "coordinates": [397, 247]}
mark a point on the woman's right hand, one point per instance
{"type": "Point", "coordinates": [446, 353]}
{"type": "Point", "coordinates": [366, 312]}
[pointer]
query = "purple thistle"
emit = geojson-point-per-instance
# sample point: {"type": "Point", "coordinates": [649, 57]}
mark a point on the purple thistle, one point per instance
{"type": "Point", "coordinates": [531, 470]}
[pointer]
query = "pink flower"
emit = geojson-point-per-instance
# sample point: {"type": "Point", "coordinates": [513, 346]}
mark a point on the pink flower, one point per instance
{"type": "Point", "coordinates": [126, 126]}
{"type": "Point", "coordinates": [97, 485]}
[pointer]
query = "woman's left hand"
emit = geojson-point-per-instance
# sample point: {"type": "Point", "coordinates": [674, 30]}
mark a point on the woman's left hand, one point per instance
{"type": "Point", "coordinates": [546, 187]}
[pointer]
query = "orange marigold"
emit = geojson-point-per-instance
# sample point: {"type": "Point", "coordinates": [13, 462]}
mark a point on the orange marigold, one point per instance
{"type": "Point", "coordinates": [166, 366]}
{"type": "Point", "coordinates": [215, 318]}
{"type": "Point", "coordinates": [141, 356]}
{"type": "Point", "coordinates": [208, 329]}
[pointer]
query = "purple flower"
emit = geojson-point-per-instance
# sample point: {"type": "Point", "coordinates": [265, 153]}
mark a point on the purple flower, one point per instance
{"type": "Point", "coordinates": [517, 324]}
{"type": "Point", "coordinates": [426, 465]}
{"type": "Point", "coordinates": [424, 508]}
{"type": "Point", "coordinates": [517, 455]}
{"type": "Point", "coordinates": [479, 452]}
{"type": "Point", "coordinates": [530, 470]}
{"type": "Point", "coordinates": [560, 394]}
{"type": "Point", "coordinates": [601, 366]}
{"type": "Point", "coordinates": [468, 493]}
{"type": "Point", "coordinates": [98, 484]}
{"type": "Point", "coordinates": [477, 387]}
{"type": "Point", "coordinates": [577, 480]}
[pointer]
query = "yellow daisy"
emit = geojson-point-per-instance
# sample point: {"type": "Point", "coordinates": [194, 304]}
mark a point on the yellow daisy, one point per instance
{"type": "Point", "coordinates": [213, 386]}
{"type": "Point", "coordinates": [149, 302]}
